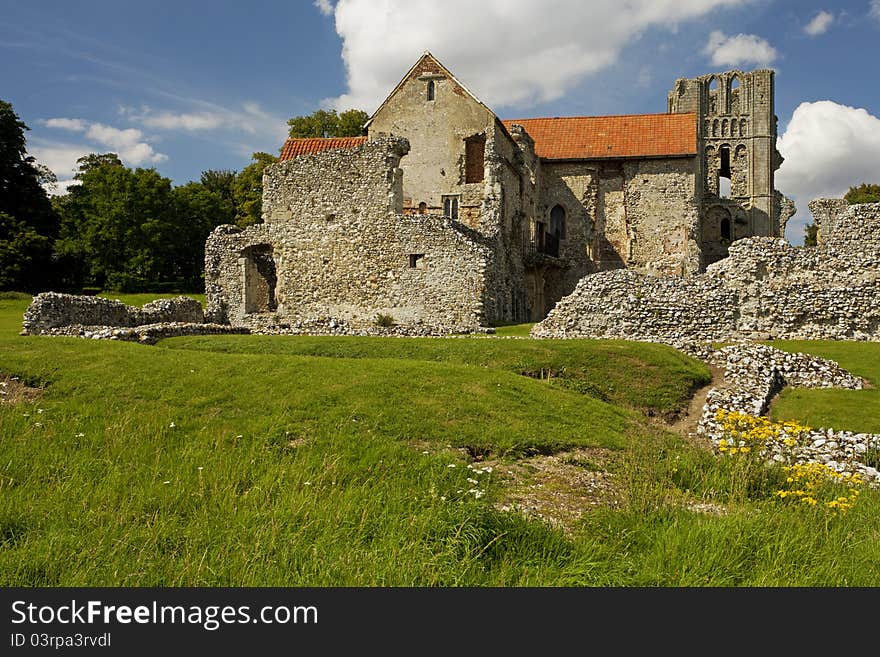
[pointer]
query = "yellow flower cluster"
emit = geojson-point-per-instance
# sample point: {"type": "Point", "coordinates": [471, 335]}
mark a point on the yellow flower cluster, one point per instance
{"type": "Point", "coordinates": [815, 483]}
{"type": "Point", "coordinates": [746, 433]}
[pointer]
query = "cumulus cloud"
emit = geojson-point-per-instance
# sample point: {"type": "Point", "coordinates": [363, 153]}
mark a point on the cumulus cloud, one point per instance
{"type": "Point", "coordinates": [875, 9]}
{"type": "Point", "coordinates": [128, 143]}
{"type": "Point", "coordinates": [820, 23]}
{"type": "Point", "coordinates": [60, 158]}
{"type": "Point", "coordinates": [827, 148]}
{"type": "Point", "coordinates": [512, 52]}
{"type": "Point", "coordinates": [737, 50]}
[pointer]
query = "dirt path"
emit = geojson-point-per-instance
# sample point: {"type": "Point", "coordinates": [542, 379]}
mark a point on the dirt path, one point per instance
{"type": "Point", "coordinates": [686, 424]}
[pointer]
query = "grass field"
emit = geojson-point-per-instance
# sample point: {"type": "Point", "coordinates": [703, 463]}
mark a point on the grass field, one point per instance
{"type": "Point", "coordinates": [300, 461]}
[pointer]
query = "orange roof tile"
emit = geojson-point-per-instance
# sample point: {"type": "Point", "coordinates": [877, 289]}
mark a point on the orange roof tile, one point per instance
{"type": "Point", "coordinates": [306, 146]}
{"type": "Point", "coordinates": [591, 137]}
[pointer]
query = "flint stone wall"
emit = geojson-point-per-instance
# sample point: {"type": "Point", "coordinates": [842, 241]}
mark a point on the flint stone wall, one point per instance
{"type": "Point", "coordinates": [754, 374]}
{"type": "Point", "coordinates": [341, 249]}
{"type": "Point", "coordinates": [52, 310]}
{"type": "Point", "coordinates": [765, 289]}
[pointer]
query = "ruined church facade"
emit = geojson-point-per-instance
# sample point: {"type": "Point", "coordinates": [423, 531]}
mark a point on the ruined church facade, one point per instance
{"type": "Point", "coordinates": [442, 214]}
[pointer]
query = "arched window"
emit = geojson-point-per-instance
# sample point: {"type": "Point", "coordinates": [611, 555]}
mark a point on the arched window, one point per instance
{"type": "Point", "coordinates": [733, 99]}
{"type": "Point", "coordinates": [743, 128]}
{"type": "Point", "coordinates": [557, 221]}
{"type": "Point", "coordinates": [724, 132]}
{"type": "Point", "coordinates": [430, 90]}
{"type": "Point", "coordinates": [423, 207]}
{"type": "Point", "coordinates": [715, 125]}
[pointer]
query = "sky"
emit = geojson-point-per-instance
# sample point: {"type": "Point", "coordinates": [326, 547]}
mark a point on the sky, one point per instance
{"type": "Point", "coordinates": [189, 85]}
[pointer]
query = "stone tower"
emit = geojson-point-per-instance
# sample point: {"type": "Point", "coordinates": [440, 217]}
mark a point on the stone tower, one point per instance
{"type": "Point", "coordinates": [736, 131]}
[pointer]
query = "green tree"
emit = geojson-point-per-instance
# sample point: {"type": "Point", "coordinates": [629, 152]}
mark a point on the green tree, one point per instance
{"type": "Point", "coordinates": [28, 223]}
{"type": "Point", "coordinates": [351, 123]}
{"type": "Point", "coordinates": [863, 193]}
{"type": "Point", "coordinates": [95, 160]}
{"type": "Point", "coordinates": [198, 211]}
{"type": "Point", "coordinates": [248, 190]}
{"type": "Point", "coordinates": [121, 226]}
{"type": "Point", "coordinates": [222, 182]}
{"type": "Point", "coordinates": [811, 234]}
{"type": "Point", "coordinates": [322, 123]}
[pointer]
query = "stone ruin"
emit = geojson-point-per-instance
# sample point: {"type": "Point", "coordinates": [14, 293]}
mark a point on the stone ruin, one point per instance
{"type": "Point", "coordinates": [765, 289]}
{"type": "Point", "coordinates": [53, 313]}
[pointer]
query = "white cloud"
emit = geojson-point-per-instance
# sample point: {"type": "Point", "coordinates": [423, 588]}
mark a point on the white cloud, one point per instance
{"type": "Point", "coordinates": [820, 23]}
{"type": "Point", "coordinates": [875, 9]}
{"type": "Point", "coordinates": [77, 125]}
{"type": "Point", "coordinates": [827, 148]}
{"type": "Point", "coordinates": [189, 122]}
{"type": "Point", "coordinates": [325, 6]}
{"type": "Point", "coordinates": [738, 50]}
{"type": "Point", "coordinates": [511, 52]}
{"type": "Point", "coordinates": [60, 158]}
{"type": "Point", "coordinates": [128, 143]}
{"type": "Point", "coordinates": [251, 119]}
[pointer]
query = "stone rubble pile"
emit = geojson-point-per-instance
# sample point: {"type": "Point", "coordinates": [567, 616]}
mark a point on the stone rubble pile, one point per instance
{"type": "Point", "coordinates": [754, 373]}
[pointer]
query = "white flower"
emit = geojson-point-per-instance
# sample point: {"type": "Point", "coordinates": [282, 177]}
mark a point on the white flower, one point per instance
{"type": "Point", "coordinates": [172, 425]}
{"type": "Point", "coordinates": [451, 465]}
{"type": "Point", "coordinates": [166, 482]}
{"type": "Point", "coordinates": [80, 435]}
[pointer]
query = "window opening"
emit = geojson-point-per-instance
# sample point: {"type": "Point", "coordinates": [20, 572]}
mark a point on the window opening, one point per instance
{"type": "Point", "coordinates": [474, 158]}
{"type": "Point", "coordinates": [557, 221]}
{"type": "Point", "coordinates": [450, 206]}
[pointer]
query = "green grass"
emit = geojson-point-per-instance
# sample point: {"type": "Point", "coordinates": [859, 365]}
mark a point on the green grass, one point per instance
{"type": "Point", "coordinates": [513, 330]}
{"type": "Point", "coordinates": [295, 461]}
{"type": "Point", "coordinates": [857, 410]}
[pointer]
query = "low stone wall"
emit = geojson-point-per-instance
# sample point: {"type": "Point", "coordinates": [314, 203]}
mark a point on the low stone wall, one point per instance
{"type": "Point", "coordinates": [144, 334]}
{"type": "Point", "coordinates": [51, 310]}
{"type": "Point", "coordinates": [754, 374]}
{"type": "Point", "coordinates": [765, 289]}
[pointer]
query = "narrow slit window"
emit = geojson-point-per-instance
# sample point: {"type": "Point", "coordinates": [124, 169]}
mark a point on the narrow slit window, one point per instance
{"type": "Point", "coordinates": [429, 94]}
{"type": "Point", "coordinates": [416, 261]}
{"type": "Point", "coordinates": [450, 206]}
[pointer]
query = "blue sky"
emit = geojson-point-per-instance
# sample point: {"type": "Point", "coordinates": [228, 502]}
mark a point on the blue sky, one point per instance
{"type": "Point", "coordinates": [188, 86]}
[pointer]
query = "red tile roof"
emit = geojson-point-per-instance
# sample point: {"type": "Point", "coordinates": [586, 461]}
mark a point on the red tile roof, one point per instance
{"type": "Point", "coordinates": [296, 147]}
{"type": "Point", "coordinates": [591, 137]}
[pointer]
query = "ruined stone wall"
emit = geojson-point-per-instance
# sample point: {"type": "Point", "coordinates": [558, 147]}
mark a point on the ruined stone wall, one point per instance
{"type": "Point", "coordinates": [341, 249]}
{"type": "Point", "coordinates": [51, 310]}
{"type": "Point", "coordinates": [765, 289]}
{"type": "Point", "coordinates": [663, 215]}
